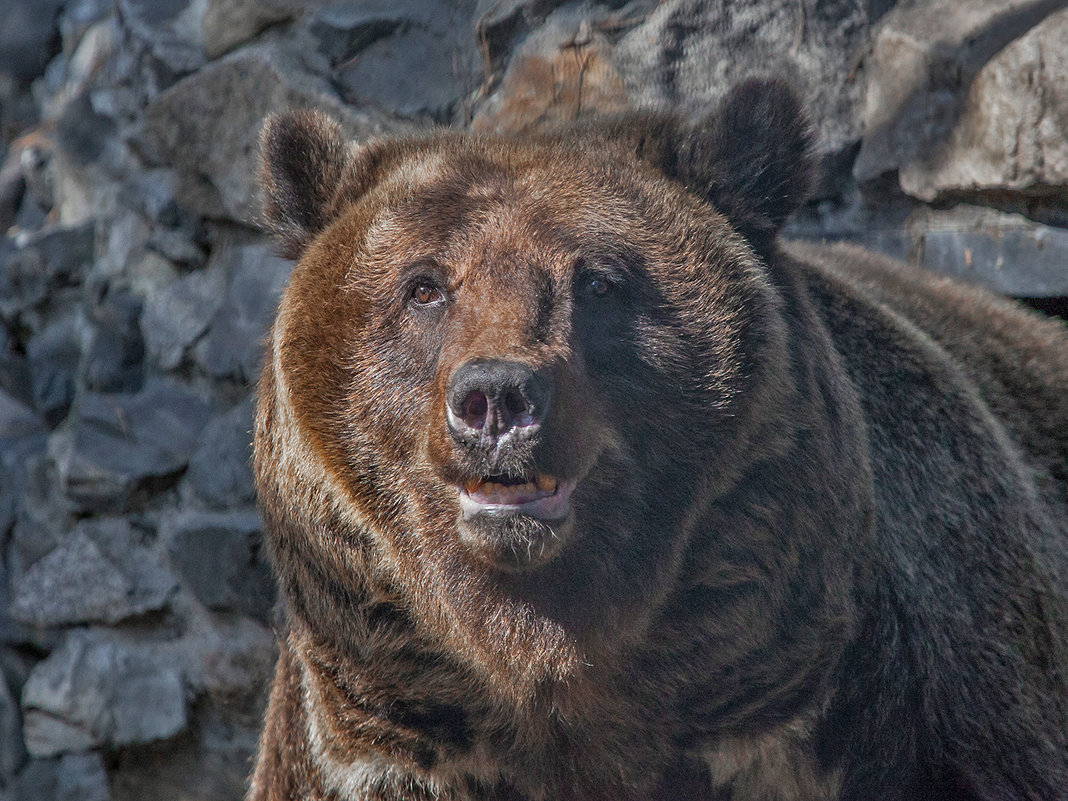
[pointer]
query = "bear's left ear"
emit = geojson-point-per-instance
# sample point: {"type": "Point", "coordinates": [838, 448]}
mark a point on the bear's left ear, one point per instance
{"type": "Point", "coordinates": [302, 158]}
{"type": "Point", "coordinates": [752, 158]}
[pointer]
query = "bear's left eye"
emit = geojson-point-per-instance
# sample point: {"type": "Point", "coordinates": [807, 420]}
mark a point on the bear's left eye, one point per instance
{"type": "Point", "coordinates": [426, 293]}
{"type": "Point", "coordinates": [598, 286]}
{"type": "Point", "coordinates": [595, 286]}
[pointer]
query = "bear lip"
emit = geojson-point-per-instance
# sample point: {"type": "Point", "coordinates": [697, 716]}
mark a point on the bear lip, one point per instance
{"type": "Point", "coordinates": [542, 497]}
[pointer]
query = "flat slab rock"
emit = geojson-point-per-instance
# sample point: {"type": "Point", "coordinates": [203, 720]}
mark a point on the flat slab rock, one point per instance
{"type": "Point", "coordinates": [1005, 252]}
{"type": "Point", "coordinates": [115, 443]}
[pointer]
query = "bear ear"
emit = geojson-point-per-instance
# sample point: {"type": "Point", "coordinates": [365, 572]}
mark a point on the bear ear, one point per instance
{"type": "Point", "coordinates": [752, 158]}
{"type": "Point", "coordinates": [302, 158]}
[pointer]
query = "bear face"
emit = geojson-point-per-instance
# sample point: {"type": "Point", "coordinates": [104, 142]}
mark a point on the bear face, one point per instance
{"type": "Point", "coordinates": [578, 486]}
{"type": "Point", "coordinates": [552, 343]}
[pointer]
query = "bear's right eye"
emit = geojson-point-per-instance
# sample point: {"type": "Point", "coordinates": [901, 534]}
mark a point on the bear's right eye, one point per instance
{"type": "Point", "coordinates": [426, 293]}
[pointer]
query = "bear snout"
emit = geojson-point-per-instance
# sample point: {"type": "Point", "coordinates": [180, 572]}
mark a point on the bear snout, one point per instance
{"type": "Point", "coordinates": [493, 404]}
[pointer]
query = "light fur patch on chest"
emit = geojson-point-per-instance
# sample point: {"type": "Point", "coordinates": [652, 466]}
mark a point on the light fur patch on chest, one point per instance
{"type": "Point", "coordinates": [776, 766]}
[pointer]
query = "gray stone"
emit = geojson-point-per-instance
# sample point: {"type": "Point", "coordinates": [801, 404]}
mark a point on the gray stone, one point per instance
{"type": "Point", "coordinates": [66, 250]}
{"type": "Point", "coordinates": [96, 691]}
{"type": "Point", "coordinates": [1010, 134]}
{"type": "Point", "coordinates": [12, 751]}
{"type": "Point", "coordinates": [42, 262]}
{"type": "Point", "coordinates": [689, 52]}
{"type": "Point", "coordinates": [53, 356]}
{"type": "Point", "coordinates": [25, 46]}
{"type": "Point", "coordinates": [80, 582]}
{"type": "Point", "coordinates": [207, 125]}
{"type": "Point", "coordinates": [423, 68]}
{"type": "Point", "coordinates": [82, 777]}
{"type": "Point", "coordinates": [233, 345]}
{"type": "Point", "coordinates": [1005, 252]}
{"type": "Point", "coordinates": [17, 420]}
{"type": "Point", "coordinates": [23, 282]}
{"type": "Point", "coordinates": [169, 30]}
{"type": "Point", "coordinates": [344, 29]}
{"type": "Point", "coordinates": [113, 444]}
{"type": "Point", "coordinates": [14, 370]}
{"type": "Point", "coordinates": [228, 657]}
{"type": "Point", "coordinates": [86, 138]}
{"type": "Point", "coordinates": [126, 259]}
{"type": "Point", "coordinates": [217, 556]}
{"type": "Point", "coordinates": [176, 315]}
{"type": "Point", "coordinates": [43, 516]}
{"type": "Point", "coordinates": [12, 190]}
{"type": "Point", "coordinates": [114, 349]}
{"type": "Point", "coordinates": [924, 59]}
{"type": "Point", "coordinates": [229, 23]}
{"type": "Point", "coordinates": [78, 17]}
{"type": "Point", "coordinates": [71, 777]}
{"type": "Point", "coordinates": [153, 194]}
{"type": "Point", "coordinates": [220, 472]}
{"type": "Point", "coordinates": [177, 245]}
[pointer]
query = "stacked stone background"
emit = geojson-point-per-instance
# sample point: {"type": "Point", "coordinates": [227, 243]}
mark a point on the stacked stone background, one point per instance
{"type": "Point", "coordinates": [136, 637]}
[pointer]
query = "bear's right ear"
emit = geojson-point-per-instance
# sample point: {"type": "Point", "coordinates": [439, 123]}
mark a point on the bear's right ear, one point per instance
{"type": "Point", "coordinates": [302, 157]}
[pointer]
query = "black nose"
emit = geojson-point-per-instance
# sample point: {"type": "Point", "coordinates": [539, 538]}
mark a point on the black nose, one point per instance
{"type": "Point", "coordinates": [489, 400]}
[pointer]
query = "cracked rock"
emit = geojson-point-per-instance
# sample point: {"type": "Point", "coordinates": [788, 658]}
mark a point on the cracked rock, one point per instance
{"type": "Point", "coordinates": [81, 581]}
{"type": "Point", "coordinates": [113, 444]}
{"type": "Point", "coordinates": [94, 692]}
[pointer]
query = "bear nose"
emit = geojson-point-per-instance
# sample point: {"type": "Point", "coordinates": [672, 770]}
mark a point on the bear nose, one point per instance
{"type": "Point", "coordinates": [489, 399]}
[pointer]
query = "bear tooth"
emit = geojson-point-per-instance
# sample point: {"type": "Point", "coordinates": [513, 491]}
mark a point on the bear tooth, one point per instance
{"type": "Point", "coordinates": [472, 485]}
{"type": "Point", "coordinates": [546, 483]}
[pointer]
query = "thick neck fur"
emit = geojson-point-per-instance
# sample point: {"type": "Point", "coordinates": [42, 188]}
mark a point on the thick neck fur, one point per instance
{"type": "Point", "coordinates": [409, 638]}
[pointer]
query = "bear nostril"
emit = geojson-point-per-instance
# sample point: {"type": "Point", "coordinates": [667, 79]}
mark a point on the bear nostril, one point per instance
{"type": "Point", "coordinates": [475, 408]}
{"type": "Point", "coordinates": [517, 409]}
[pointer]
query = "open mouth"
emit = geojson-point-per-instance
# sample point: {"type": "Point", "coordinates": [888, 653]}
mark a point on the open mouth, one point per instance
{"type": "Point", "coordinates": [540, 496]}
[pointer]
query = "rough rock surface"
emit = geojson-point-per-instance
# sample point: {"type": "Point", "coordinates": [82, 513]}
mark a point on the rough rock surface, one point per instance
{"type": "Point", "coordinates": [102, 573]}
{"type": "Point", "coordinates": [690, 52]}
{"type": "Point", "coordinates": [94, 691]}
{"type": "Point", "coordinates": [1010, 132]}
{"type": "Point", "coordinates": [135, 645]}
{"type": "Point", "coordinates": [922, 72]}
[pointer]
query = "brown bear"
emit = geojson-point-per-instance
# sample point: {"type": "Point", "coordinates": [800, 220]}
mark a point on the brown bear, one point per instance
{"type": "Point", "coordinates": [581, 485]}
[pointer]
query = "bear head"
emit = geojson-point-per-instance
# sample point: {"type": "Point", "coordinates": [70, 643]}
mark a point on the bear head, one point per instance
{"type": "Point", "coordinates": [510, 376]}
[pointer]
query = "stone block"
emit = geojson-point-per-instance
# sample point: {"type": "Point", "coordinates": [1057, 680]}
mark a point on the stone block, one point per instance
{"type": "Point", "coordinates": [1010, 131]}
{"type": "Point", "coordinates": [83, 580]}
{"type": "Point", "coordinates": [94, 691]}
{"type": "Point", "coordinates": [207, 125]}
{"type": "Point", "coordinates": [220, 472]}
{"type": "Point", "coordinates": [217, 556]}
{"type": "Point", "coordinates": [1005, 252]}
{"type": "Point", "coordinates": [113, 444]}
{"type": "Point", "coordinates": [233, 345]}
{"type": "Point", "coordinates": [687, 53]}
{"type": "Point", "coordinates": [179, 313]}
{"type": "Point", "coordinates": [954, 96]}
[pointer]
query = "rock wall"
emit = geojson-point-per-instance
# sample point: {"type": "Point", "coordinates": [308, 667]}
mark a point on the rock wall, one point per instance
{"type": "Point", "coordinates": [135, 606]}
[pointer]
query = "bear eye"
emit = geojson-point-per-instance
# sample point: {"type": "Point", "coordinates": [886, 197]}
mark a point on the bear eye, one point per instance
{"type": "Point", "coordinates": [426, 293]}
{"type": "Point", "coordinates": [598, 286]}
{"type": "Point", "coordinates": [595, 286]}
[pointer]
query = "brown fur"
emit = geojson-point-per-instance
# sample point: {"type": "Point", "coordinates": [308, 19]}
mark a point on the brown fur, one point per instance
{"type": "Point", "coordinates": [816, 544]}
